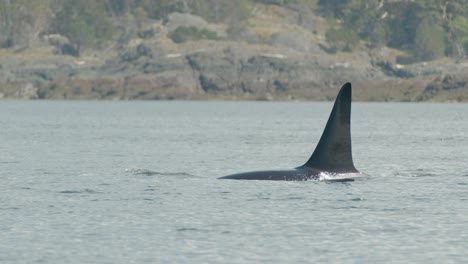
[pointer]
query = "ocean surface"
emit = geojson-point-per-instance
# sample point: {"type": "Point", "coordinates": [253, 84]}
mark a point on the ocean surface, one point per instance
{"type": "Point", "coordinates": [136, 182]}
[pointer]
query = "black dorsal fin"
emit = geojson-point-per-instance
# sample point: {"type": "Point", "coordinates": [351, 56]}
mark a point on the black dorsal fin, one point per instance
{"type": "Point", "coordinates": [333, 152]}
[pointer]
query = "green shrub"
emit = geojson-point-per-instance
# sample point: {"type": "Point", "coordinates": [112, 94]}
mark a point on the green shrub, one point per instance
{"type": "Point", "coordinates": [184, 34]}
{"type": "Point", "coordinates": [407, 59]}
{"type": "Point", "coordinates": [342, 38]}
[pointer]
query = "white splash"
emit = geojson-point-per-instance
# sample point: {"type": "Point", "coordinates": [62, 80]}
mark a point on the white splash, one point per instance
{"type": "Point", "coordinates": [330, 176]}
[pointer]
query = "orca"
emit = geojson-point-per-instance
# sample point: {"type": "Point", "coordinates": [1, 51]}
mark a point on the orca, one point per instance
{"type": "Point", "coordinates": [332, 158]}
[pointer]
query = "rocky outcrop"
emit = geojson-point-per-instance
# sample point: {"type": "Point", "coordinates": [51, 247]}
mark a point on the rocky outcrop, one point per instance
{"type": "Point", "coordinates": [447, 87]}
{"type": "Point", "coordinates": [225, 71]}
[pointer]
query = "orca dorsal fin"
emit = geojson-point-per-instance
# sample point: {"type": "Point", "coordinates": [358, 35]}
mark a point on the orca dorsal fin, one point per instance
{"type": "Point", "coordinates": [333, 152]}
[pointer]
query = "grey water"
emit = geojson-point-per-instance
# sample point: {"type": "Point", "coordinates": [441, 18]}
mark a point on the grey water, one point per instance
{"type": "Point", "coordinates": [135, 182]}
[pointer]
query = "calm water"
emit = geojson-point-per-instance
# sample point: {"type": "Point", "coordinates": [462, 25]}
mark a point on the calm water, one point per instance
{"type": "Point", "coordinates": [135, 182]}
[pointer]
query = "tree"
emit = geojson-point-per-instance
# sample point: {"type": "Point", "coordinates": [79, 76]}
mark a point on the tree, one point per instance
{"type": "Point", "coordinates": [457, 27]}
{"type": "Point", "coordinates": [22, 21]}
{"type": "Point", "coordinates": [402, 22]}
{"type": "Point", "coordinates": [84, 22]}
{"type": "Point", "coordinates": [117, 7]}
{"type": "Point", "coordinates": [429, 41]}
{"type": "Point", "coordinates": [366, 20]}
{"type": "Point", "coordinates": [333, 8]}
{"type": "Point", "coordinates": [459, 37]}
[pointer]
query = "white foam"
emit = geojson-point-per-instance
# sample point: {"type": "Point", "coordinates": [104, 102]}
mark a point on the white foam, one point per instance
{"type": "Point", "coordinates": [329, 176]}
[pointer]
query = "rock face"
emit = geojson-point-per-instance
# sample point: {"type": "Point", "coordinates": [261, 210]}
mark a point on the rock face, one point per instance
{"type": "Point", "coordinates": [176, 20]}
{"type": "Point", "coordinates": [284, 64]}
{"type": "Point", "coordinates": [447, 87]}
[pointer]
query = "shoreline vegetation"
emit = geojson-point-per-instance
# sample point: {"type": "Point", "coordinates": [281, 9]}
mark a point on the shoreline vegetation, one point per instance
{"type": "Point", "coordinates": [264, 50]}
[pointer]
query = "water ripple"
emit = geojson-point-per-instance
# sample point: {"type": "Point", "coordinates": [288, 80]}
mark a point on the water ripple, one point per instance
{"type": "Point", "coordinates": [146, 172]}
{"type": "Point", "coordinates": [296, 198]}
{"type": "Point", "coordinates": [416, 173]}
{"type": "Point", "coordinates": [9, 162]}
{"type": "Point", "coordinates": [10, 208]}
{"type": "Point", "coordinates": [185, 229]}
{"type": "Point", "coordinates": [79, 191]}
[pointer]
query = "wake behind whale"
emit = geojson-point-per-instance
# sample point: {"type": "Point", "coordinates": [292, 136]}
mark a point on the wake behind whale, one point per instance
{"type": "Point", "coordinates": [332, 158]}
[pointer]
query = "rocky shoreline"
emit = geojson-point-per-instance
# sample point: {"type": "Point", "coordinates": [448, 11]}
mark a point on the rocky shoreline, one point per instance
{"type": "Point", "coordinates": [148, 65]}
